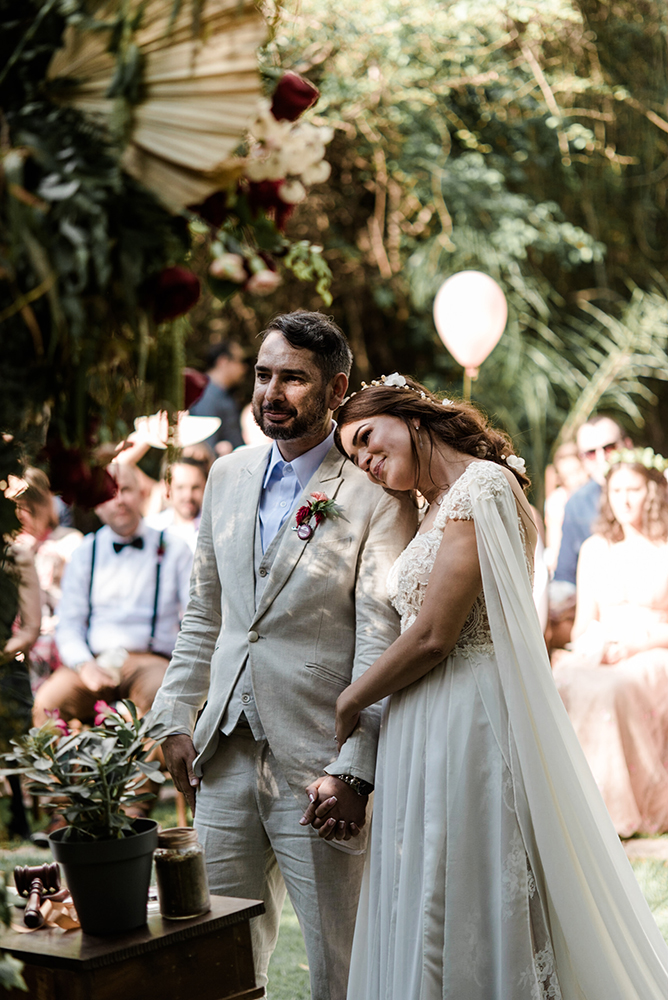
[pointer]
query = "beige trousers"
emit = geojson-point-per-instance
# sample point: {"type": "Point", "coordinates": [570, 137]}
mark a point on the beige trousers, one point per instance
{"type": "Point", "coordinates": [247, 820]}
{"type": "Point", "coordinates": [141, 676]}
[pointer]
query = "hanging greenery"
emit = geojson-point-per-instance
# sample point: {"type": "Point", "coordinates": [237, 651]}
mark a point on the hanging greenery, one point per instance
{"type": "Point", "coordinates": [123, 147]}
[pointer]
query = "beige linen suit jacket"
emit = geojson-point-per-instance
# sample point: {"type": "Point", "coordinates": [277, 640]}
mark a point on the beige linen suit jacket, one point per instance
{"type": "Point", "coordinates": [322, 620]}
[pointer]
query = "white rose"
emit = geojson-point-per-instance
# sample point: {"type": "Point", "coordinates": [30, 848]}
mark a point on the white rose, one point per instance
{"type": "Point", "coordinates": [395, 379]}
{"type": "Point", "coordinates": [316, 174]}
{"type": "Point", "coordinates": [516, 463]}
{"type": "Point", "coordinates": [291, 192]}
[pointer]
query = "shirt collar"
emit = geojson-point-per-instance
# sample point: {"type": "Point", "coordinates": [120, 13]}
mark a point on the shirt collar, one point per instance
{"type": "Point", "coordinates": [304, 465]}
{"type": "Point", "coordinates": [139, 533]}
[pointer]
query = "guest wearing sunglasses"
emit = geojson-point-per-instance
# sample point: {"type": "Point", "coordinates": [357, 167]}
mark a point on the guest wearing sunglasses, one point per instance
{"type": "Point", "coordinates": [596, 440]}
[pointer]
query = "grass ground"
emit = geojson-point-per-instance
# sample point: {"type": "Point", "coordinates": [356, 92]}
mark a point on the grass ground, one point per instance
{"type": "Point", "coordinates": [288, 971]}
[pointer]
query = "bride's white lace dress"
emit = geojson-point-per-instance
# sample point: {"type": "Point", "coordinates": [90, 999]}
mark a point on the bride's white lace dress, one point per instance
{"type": "Point", "coordinates": [494, 872]}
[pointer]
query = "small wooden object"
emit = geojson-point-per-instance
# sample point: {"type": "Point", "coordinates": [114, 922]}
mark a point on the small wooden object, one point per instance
{"type": "Point", "coordinates": [33, 883]}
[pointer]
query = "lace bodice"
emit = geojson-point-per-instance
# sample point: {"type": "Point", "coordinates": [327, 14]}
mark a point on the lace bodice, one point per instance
{"type": "Point", "coordinates": [409, 576]}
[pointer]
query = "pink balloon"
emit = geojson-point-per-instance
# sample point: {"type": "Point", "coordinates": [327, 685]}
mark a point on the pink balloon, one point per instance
{"type": "Point", "coordinates": [470, 313]}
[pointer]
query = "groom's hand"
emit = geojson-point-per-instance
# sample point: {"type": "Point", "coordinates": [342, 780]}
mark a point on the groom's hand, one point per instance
{"type": "Point", "coordinates": [179, 752]}
{"type": "Point", "coordinates": [336, 811]}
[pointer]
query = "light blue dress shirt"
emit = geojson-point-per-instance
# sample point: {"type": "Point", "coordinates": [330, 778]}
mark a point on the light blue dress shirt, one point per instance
{"type": "Point", "coordinates": [283, 484]}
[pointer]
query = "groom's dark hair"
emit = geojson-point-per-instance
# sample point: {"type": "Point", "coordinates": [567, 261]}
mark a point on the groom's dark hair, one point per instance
{"type": "Point", "coordinates": [318, 334]}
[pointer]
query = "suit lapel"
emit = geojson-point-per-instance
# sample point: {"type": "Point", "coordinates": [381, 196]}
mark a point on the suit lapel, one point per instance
{"type": "Point", "coordinates": [245, 520]}
{"type": "Point", "coordinates": [326, 479]}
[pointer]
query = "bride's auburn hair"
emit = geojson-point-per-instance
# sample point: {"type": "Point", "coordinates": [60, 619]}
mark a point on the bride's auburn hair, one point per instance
{"type": "Point", "coordinates": [655, 508]}
{"type": "Point", "coordinates": [459, 424]}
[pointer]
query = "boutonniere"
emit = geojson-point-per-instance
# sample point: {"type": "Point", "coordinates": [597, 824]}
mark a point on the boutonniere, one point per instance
{"type": "Point", "coordinates": [317, 510]}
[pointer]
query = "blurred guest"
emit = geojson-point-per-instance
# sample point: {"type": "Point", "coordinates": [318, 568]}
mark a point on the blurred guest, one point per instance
{"type": "Point", "coordinates": [123, 595]}
{"type": "Point", "coordinates": [23, 613]}
{"type": "Point", "coordinates": [226, 367]}
{"type": "Point", "coordinates": [201, 453]}
{"type": "Point", "coordinates": [568, 476]}
{"type": "Point", "coordinates": [183, 480]}
{"type": "Point", "coordinates": [614, 683]}
{"type": "Point", "coordinates": [596, 440]}
{"type": "Point", "coordinates": [52, 546]}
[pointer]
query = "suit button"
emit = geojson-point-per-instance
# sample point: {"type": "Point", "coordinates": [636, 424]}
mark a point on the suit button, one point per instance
{"type": "Point", "coordinates": [245, 698]}
{"type": "Point", "coordinates": [253, 636]}
{"type": "Point", "coordinates": [262, 571]}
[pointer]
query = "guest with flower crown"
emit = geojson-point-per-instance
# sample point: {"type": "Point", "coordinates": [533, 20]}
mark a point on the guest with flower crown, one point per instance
{"type": "Point", "coordinates": [614, 683]}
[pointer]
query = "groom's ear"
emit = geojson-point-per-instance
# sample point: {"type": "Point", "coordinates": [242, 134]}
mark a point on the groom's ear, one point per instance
{"type": "Point", "coordinates": [336, 391]}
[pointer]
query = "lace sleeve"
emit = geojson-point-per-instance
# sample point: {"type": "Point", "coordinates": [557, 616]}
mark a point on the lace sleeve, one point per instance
{"type": "Point", "coordinates": [457, 505]}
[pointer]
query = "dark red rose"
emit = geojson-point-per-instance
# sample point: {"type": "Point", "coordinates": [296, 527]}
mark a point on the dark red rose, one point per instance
{"type": "Point", "coordinates": [264, 195]}
{"type": "Point", "coordinates": [74, 478]}
{"type": "Point", "coordinates": [213, 209]}
{"type": "Point", "coordinates": [195, 384]}
{"type": "Point", "coordinates": [303, 514]}
{"type": "Point", "coordinates": [293, 95]}
{"type": "Point", "coordinates": [173, 292]}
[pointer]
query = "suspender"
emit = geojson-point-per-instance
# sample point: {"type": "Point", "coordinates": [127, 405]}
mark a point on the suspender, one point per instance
{"type": "Point", "coordinates": [161, 553]}
{"type": "Point", "coordinates": [90, 586]}
{"type": "Point", "coordinates": [154, 619]}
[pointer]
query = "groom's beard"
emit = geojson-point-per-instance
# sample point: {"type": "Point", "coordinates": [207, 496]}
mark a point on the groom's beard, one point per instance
{"type": "Point", "coordinates": [300, 425]}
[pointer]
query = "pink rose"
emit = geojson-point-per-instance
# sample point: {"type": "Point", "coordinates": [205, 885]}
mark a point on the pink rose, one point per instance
{"type": "Point", "coordinates": [263, 282]}
{"type": "Point", "coordinates": [320, 497]}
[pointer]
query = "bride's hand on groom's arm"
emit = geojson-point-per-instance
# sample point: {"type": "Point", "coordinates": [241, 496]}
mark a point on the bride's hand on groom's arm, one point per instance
{"type": "Point", "coordinates": [347, 716]}
{"type": "Point", "coordinates": [336, 810]}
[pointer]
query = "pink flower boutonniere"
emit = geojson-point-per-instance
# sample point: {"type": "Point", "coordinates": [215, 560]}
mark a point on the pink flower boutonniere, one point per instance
{"type": "Point", "coordinates": [317, 510]}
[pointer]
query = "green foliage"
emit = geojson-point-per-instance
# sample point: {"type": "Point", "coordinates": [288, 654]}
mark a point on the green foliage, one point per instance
{"type": "Point", "coordinates": [99, 770]}
{"type": "Point", "coordinates": [525, 140]}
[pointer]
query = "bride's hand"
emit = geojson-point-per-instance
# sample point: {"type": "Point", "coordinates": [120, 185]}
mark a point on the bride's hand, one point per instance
{"type": "Point", "coordinates": [347, 717]}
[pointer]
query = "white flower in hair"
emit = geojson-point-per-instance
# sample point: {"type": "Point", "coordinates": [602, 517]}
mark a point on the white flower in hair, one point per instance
{"type": "Point", "coordinates": [446, 402]}
{"type": "Point", "coordinates": [395, 379]}
{"type": "Point", "coordinates": [516, 463]}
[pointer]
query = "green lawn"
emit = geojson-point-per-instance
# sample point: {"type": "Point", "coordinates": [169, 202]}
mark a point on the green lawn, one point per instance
{"type": "Point", "coordinates": [288, 971]}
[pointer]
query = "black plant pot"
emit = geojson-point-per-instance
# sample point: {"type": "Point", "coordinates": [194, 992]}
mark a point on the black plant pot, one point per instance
{"type": "Point", "coordinates": [108, 879]}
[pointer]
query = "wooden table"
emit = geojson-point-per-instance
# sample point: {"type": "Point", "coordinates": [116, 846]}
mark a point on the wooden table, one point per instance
{"type": "Point", "coordinates": [206, 958]}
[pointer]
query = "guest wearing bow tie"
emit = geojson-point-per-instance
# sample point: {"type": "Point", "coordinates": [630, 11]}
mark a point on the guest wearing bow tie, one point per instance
{"type": "Point", "coordinates": [123, 594]}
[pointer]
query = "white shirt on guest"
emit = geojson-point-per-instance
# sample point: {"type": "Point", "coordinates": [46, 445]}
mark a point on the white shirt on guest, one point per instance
{"type": "Point", "coordinates": [122, 597]}
{"type": "Point", "coordinates": [187, 530]}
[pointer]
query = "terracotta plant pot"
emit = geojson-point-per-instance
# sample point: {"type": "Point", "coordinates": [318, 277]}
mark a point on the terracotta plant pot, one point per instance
{"type": "Point", "coordinates": [108, 879]}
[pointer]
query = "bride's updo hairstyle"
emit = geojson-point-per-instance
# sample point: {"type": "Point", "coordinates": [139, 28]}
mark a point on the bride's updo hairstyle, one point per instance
{"type": "Point", "coordinates": [457, 423]}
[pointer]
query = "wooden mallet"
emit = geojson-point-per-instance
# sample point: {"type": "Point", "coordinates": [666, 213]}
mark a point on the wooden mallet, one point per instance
{"type": "Point", "coordinates": [34, 882]}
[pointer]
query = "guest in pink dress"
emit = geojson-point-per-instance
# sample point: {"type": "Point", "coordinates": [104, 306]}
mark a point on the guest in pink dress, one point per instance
{"type": "Point", "coordinates": [614, 681]}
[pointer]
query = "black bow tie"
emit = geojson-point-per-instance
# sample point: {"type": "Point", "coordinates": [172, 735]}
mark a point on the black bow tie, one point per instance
{"type": "Point", "coordinates": [136, 543]}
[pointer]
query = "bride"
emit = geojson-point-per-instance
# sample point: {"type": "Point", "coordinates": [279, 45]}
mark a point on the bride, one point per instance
{"type": "Point", "coordinates": [494, 872]}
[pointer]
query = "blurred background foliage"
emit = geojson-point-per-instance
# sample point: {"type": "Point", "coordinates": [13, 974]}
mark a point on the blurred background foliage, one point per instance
{"type": "Point", "coordinates": [528, 140]}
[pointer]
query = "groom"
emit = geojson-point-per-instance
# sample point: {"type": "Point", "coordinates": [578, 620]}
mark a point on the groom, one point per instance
{"type": "Point", "coordinates": [278, 623]}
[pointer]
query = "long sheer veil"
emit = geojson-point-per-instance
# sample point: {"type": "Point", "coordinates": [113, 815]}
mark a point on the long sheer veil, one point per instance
{"type": "Point", "coordinates": [607, 944]}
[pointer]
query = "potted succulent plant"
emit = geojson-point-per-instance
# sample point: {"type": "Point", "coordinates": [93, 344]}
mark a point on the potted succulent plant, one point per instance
{"type": "Point", "coordinates": [96, 773]}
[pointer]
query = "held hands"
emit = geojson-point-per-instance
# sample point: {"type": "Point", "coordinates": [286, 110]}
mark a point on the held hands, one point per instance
{"type": "Point", "coordinates": [179, 752]}
{"type": "Point", "coordinates": [335, 810]}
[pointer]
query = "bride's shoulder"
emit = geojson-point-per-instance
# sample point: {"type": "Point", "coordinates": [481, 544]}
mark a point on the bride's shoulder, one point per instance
{"type": "Point", "coordinates": [487, 474]}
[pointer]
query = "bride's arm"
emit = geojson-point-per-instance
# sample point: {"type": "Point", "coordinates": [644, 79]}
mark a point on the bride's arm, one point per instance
{"type": "Point", "coordinates": [454, 584]}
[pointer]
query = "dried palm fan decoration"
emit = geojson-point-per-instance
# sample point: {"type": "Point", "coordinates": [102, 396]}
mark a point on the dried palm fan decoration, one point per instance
{"type": "Point", "coordinates": [183, 96]}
